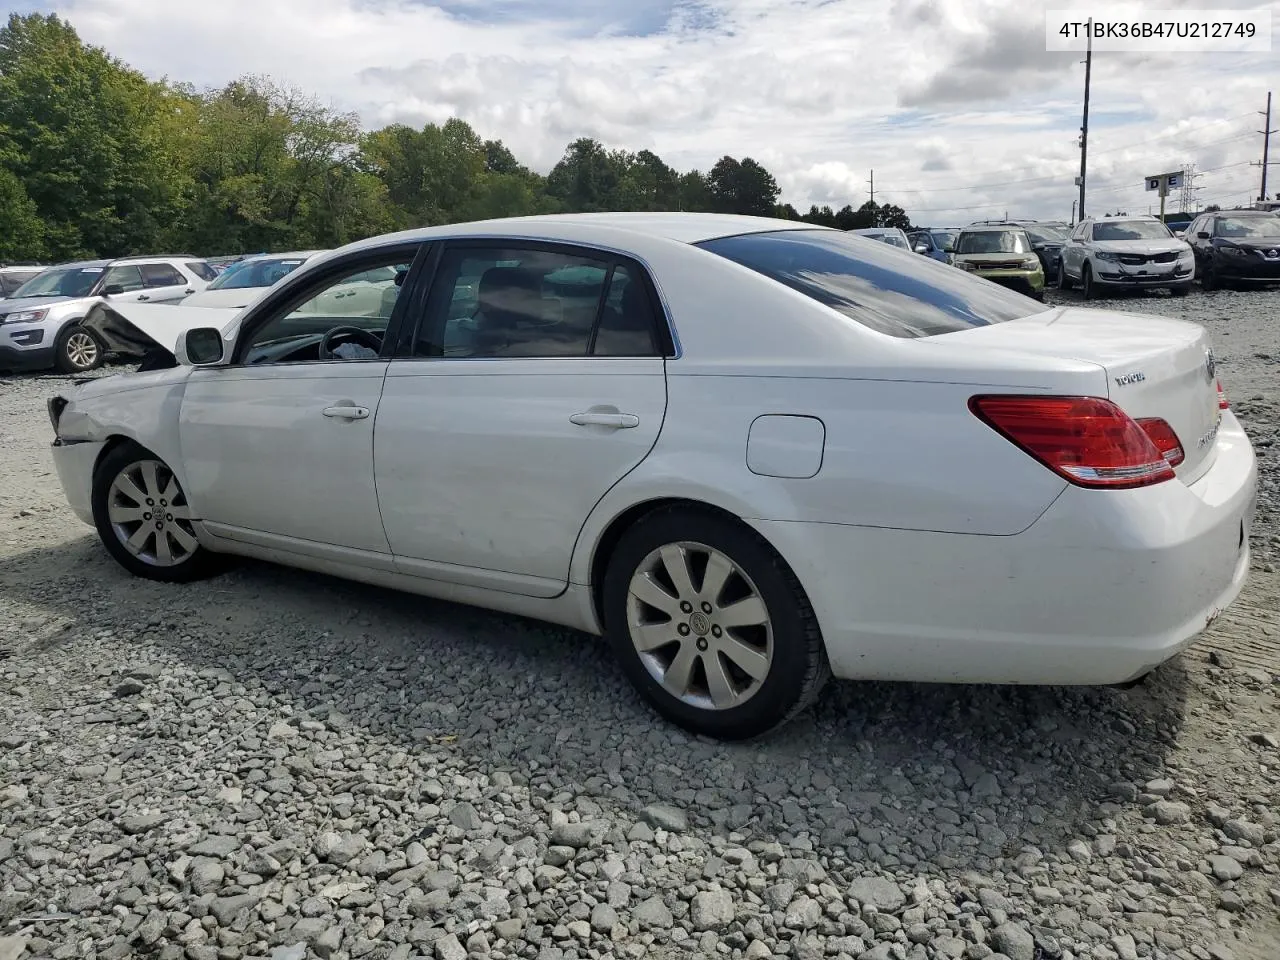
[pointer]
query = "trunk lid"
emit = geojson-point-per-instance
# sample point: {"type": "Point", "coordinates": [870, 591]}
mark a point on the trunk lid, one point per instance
{"type": "Point", "coordinates": [1155, 366]}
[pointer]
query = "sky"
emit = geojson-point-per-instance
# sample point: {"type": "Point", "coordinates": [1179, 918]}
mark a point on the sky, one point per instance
{"type": "Point", "coordinates": [956, 107]}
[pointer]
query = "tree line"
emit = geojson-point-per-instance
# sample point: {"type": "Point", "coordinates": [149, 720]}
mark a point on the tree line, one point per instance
{"type": "Point", "coordinates": [97, 160]}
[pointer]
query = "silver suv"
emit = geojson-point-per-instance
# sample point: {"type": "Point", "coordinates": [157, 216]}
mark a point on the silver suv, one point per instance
{"type": "Point", "coordinates": [1119, 252]}
{"type": "Point", "coordinates": [40, 323]}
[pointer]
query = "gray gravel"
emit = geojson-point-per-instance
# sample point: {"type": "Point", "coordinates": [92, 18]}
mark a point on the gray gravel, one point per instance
{"type": "Point", "coordinates": [275, 764]}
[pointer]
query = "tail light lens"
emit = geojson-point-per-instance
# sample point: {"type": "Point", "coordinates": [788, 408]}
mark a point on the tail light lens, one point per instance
{"type": "Point", "coordinates": [1165, 439]}
{"type": "Point", "coordinates": [1085, 440]}
{"type": "Point", "coordinates": [1223, 402]}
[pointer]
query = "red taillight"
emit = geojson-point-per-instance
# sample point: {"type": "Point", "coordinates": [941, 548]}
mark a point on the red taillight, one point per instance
{"type": "Point", "coordinates": [1089, 441]}
{"type": "Point", "coordinates": [1164, 438]}
{"type": "Point", "coordinates": [1223, 402]}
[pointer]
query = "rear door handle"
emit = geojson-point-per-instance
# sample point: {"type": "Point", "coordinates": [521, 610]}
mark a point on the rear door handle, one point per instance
{"type": "Point", "coordinates": [346, 412]}
{"type": "Point", "coordinates": [619, 421]}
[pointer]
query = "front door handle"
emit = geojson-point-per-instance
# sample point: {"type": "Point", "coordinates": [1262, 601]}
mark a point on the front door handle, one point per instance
{"type": "Point", "coordinates": [144, 297]}
{"type": "Point", "coordinates": [346, 412]}
{"type": "Point", "coordinates": [619, 421]}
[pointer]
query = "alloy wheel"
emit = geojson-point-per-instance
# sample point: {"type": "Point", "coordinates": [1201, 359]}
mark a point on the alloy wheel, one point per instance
{"type": "Point", "coordinates": [148, 513]}
{"type": "Point", "coordinates": [81, 350]}
{"type": "Point", "coordinates": [700, 625]}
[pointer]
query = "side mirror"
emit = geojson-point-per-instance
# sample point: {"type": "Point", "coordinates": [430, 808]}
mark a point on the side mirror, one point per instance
{"type": "Point", "coordinates": [112, 290]}
{"type": "Point", "coordinates": [920, 248]}
{"type": "Point", "coordinates": [1203, 234]}
{"type": "Point", "coordinates": [200, 347]}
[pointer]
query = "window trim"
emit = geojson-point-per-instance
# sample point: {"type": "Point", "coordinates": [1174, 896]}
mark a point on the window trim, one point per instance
{"type": "Point", "coordinates": [311, 282]}
{"type": "Point", "coordinates": [182, 277]}
{"type": "Point", "coordinates": [102, 283]}
{"type": "Point", "coordinates": [665, 340]}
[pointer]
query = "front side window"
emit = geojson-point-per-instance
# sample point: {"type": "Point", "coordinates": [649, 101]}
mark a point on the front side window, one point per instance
{"type": "Point", "coordinates": [336, 320]}
{"type": "Point", "coordinates": [916, 297]}
{"type": "Point", "coordinates": [503, 302]}
{"type": "Point", "coordinates": [125, 279]}
{"type": "Point", "coordinates": [161, 275]}
{"type": "Point", "coordinates": [1131, 230]}
{"type": "Point", "coordinates": [994, 241]}
{"type": "Point", "coordinates": [946, 240]}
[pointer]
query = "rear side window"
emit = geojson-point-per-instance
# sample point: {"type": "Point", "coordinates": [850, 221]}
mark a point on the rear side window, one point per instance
{"type": "Point", "coordinates": [161, 275]}
{"type": "Point", "coordinates": [202, 270]}
{"type": "Point", "coordinates": [891, 291]}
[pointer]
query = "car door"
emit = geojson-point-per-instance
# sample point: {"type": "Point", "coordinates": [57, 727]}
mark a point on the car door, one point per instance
{"type": "Point", "coordinates": [534, 384]}
{"type": "Point", "coordinates": [277, 445]}
{"type": "Point", "coordinates": [164, 283]}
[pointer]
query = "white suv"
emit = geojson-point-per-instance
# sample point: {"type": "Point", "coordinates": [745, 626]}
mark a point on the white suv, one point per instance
{"type": "Point", "coordinates": [1120, 252]}
{"type": "Point", "coordinates": [40, 323]}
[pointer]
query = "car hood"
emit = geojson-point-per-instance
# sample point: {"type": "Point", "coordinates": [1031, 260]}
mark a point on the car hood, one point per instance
{"type": "Point", "coordinates": [1147, 247]}
{"type": "Point", "coordinates": [139, 329]}
{"type": "Point", "coordinates": [30, 303]}
{"type": "Point", "coordinates": [1245, 243]}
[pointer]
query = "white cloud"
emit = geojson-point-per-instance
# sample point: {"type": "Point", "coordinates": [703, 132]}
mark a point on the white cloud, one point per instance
{"type": "Point", "coordinates": [948, 103]}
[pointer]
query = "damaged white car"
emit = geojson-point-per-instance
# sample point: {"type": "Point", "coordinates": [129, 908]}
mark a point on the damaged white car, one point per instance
{"type": "Point", "coordinates": [752, 453]}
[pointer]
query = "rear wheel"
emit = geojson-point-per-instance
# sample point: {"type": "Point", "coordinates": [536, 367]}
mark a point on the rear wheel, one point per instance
{"type": "Point", "coordinates": [1064, 282]}
{"type": "Point", "coordinates": [143, 518]}
{"type": "Point", "coordinates": [711, 626]}
{"type": "Point", "coordinates": [78, 350]}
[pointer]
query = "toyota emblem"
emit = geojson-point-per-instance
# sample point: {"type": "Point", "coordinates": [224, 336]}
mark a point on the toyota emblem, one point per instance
{"type": "Point", "coordinates": [1210, 365]}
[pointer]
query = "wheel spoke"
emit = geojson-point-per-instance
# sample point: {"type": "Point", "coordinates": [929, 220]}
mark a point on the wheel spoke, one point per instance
{"type": "Point", "coordinates": [646, 589]}
{"type": "Point", "coordinates": [749, 612]}
{"type": "Point", "coordinates": [150, 482]}
{"type": "Point", "coordinates": [139, 538]}
{"type": "Point", "coordinates": [171, 489]}
{"type": "Point", "coordinates": [718, 684]}
{"type": "Point", "coordinates": [182, 538]}
{"type": "Point", "coordinates": [164, 552]}
{"type": "Point", "coordinates": [653, 636]}
{"type": "Point", "coordinates": [680, 674]}
{"type": "Point", "coordinates": [751, 661]}
{"type": "Point", "coordinates": [125, 484]}
{"type": "Point", "coordinates": [719, 569]}
{"type": "Point", "coordinates": [676, 561]}
{"type": "Point", "coordinates": [120, 513]}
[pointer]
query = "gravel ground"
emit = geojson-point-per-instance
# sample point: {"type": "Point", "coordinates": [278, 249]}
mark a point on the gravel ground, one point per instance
{"type": "Point", "coordinates": [276, 764]}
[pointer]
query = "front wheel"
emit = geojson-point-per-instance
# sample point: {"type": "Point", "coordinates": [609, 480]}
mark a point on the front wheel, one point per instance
{"type": "Point", "coordinates": [143, 518]}
{"type": "Point", "coordinates": [1209, 279]}
{"type": "Point", "coordinates": [1064, 282]}
{"type": "Point", "coordinates": [711, 626]}
{"type": "Point", "coordinates": [78, 350]}
{"type": "Point", "coordinates": [1088, 289]}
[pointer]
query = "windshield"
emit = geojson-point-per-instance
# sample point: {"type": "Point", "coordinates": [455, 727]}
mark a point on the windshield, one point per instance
{"type": "Point", "coordinates": [894, 239]}
{"type": "Point", "coordinates": [65, 282]}
{"type": "Point", "coordinates": [900, 296]}
{"type": "Point", "coordinates": [946, 239]}
{"type": "Point", "coordinates": [1251, 227]}
{"type": "Point", "coordinates": [256, 273]}
{"type": "Point", "coordinates": [994, 241]}
{"type": "Point", "coordinates": [1131, 230]}
{"type": "Point", "coordinates": [1042, 233]}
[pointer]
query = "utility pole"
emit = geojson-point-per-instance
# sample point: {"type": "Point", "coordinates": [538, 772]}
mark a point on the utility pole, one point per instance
{"type": "Point", "coordinates": [1084, 124]}
{"type": "Point", "coordinates": [872, 181]}
{"type": "Point", "coordinates": [1266, 132]}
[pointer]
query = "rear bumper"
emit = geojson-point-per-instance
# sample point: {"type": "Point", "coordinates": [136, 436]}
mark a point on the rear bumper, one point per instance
{"type": "Point", "coordinates": [1103, 587]}
{"type": "Point", "coordinates": [75, 463]}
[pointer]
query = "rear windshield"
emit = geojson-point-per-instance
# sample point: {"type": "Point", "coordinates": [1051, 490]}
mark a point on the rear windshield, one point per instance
{"type": "Point", "coordinates": [891, 291]}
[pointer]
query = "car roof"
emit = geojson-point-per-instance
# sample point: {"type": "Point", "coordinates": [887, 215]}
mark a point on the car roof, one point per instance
{"type": "Point", "coordinates": [599, 227]}
{"type": "Point", "coordinates": [284, 255]}
{"type": "Point", "coordinates": [155, 256]}
{"type": "Point", "coordinates": [990, 227]}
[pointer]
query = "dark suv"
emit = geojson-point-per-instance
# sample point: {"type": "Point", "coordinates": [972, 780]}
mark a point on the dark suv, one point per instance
{"type": "Point", "coordinates": [1236, 247]}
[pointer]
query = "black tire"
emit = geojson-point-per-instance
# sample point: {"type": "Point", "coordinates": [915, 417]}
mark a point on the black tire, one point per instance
{"type": "Point", "coordinates": [798, 668]}
{"type": "Point", "coordinates": [1064, 282]}
{"type": "Point", "coordinates": [1179, 291]}
{"type": "Point", "coordinates": [1209, 279]}
{"type": "Point", "coordinates": [196, 564]}
{"type": "Point", "coordinates": [78, 350]}
{"type": "Point", "coordinates": [1087, 288]}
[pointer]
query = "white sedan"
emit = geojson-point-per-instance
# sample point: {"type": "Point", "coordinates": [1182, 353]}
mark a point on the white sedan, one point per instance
{"type": "Point", "coordinates": [752, 453]}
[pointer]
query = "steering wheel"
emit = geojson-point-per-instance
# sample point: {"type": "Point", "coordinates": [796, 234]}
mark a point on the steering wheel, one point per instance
{"type": "Point", "coordinates": [356, 335]}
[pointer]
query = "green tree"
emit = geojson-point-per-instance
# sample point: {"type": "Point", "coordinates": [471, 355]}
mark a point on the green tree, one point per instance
{"type": "Point", "coordinates": [21, 231]}
{"type": "Point", "coordinates": [85, 135]}
{"type": "Point", "coordinates": [588, 176]}
{"type": "Point", "coordinates": [693, 193]}
{"type": "Point", "coordinates": [743, 187]}
{"type": "Point", "coordinates": [433, 175]}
